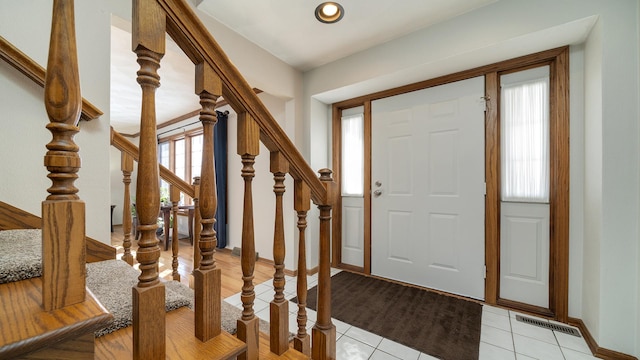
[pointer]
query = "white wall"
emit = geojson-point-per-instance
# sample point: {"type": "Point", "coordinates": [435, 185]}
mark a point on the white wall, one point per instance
{"type": "Point", "coordinates": [593, 181]}
{"type": "Point", "coordinates": [577, 156]}
{"type": "Point", "coordinates": [27, 24]}
{"type": "Point", "coordinates": [618, 253]}
{"type": "Point", "coordinates": [591, 290]}
{"type": "Point", "coordinates": [604, 180]}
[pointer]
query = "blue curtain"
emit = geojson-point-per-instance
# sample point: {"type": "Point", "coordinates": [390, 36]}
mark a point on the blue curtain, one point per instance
{"type": "Point", "coordinates": [220, 156]}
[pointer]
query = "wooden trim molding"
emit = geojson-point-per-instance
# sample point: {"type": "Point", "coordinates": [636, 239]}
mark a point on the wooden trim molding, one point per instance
{"type": "Point", "coordinates": [597, 351]}
{"type": "Point", "coordinates": [31, 69]}
{"type": "Point", "coordinates": [352, 268]}
{"type": "Point", "coordinates": [526, 308]}
{"type": "Point", "coordinates": [522, 61]}
{"type": "Point", "coordinates": [559, 198]}
{"type": "Point", "coordinates": [336, 239]}
{"type": "Point", "coordinates": [492, 181]}
{"type": "Point", "coordinates": [367, 187]}
{"type": "Point", "coordinates": [336, 224]}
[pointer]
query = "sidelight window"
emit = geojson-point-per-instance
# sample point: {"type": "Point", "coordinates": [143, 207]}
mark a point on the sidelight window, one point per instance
{"type": "Point", "coordinates": [353, 155]}
{"type": "Point", "coordinates": [524, 118]}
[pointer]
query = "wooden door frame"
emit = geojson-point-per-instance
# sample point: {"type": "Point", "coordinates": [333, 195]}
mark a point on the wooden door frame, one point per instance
{"type": "Point", "coordinates": [558, 59]}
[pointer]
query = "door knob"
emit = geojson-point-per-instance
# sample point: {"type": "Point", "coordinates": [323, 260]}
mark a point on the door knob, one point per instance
{"type": "Point", "coordinates": [378, 183]}
{"type": "Point", "coordinates": [377, 193]}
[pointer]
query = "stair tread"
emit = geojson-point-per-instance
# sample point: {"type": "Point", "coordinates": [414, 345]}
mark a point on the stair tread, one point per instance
{"type": "Point", "coordinates": [181, 342]}
{"type": "Point", "coordinates": [291, 354]}
{"type": "Point", "coordinates": [27, 327]}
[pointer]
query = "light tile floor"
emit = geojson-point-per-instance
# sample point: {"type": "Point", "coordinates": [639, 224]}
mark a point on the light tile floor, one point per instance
{"type": "Point", "coordinates": [502, 336]}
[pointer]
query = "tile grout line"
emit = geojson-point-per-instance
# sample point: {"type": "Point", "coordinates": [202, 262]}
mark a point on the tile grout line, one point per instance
{"type": "Point", "coordinates": [513, 340]}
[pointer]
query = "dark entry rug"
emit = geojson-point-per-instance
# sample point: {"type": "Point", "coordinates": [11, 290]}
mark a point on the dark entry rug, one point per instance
{"type": "Point", "coordinates": [442, 326]}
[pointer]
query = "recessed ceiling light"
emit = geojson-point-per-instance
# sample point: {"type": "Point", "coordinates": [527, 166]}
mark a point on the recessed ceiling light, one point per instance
{"type": "Point", "coordinates": [329, 12]}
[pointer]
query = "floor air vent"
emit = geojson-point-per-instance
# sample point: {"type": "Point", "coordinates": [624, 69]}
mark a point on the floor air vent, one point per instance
{"type": "Point", "coordinates": [548, 325]}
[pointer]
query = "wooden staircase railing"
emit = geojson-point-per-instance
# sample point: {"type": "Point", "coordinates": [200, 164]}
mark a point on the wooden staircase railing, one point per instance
{"type": "Point", "coordinates": [215, 76]}
{"type": "Point", "coordinates": [63, 211]}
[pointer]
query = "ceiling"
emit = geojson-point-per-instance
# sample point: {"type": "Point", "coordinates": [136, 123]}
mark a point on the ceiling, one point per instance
{"type": "Point", "coordinates": [287, 29]}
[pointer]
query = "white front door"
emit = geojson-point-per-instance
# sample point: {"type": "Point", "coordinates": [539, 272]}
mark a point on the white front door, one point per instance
{"type": "Point", "coordinates": [428, 188]}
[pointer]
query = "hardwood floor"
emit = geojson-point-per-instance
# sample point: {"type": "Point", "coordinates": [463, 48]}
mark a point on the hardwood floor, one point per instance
{"type": "Point", "coordinates": [229, 264]}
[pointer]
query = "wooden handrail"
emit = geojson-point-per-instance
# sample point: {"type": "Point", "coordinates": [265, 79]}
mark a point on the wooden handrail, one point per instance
{"type": "Point", "coordinates": [31, 69]}
{"type": "Point", "coordinates": [121, 143]}
{"type": "Point", "coordinates": [186, 29]}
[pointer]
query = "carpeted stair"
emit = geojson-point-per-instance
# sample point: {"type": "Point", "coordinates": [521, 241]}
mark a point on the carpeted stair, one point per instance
{"type": "Point", "coordinates": [110, 281]}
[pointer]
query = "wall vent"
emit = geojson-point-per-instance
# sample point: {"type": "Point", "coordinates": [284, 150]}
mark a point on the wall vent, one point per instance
{"type": "Point", "coordinates": [548, 325]}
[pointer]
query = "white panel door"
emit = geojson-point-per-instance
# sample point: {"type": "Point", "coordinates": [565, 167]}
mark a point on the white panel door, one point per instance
{"type": "Point", "coordinates": [524, 253]}
{"type": "Point", "coordinates": [428, 188]}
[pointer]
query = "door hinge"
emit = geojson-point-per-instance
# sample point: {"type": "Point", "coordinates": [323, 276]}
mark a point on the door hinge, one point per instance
{"type": "Point", "coordinates": [485, 188]}
{"type": "Point", "coordinates": [486, 100]}
{"type": "Point", "coordinates": [485, 271]}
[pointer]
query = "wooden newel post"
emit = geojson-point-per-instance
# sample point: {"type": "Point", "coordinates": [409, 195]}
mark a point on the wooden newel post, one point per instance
{"type": "Point", "coordinates": [302, 204]}
{"type": "Point", "coordinates": [324, 332]}
{"type": "Point", "coordinates": [63, 213]}
{"type": "Point", "coordinates": [127, 168]}
{"type": "Point", "coordinates": [207, 277]}
{"type": "Point", "coordinates": [149, 28]}
{"type": "Point", "coordinates": [279, 307]}
{"type": "Point", "coordinates": [248, 149]}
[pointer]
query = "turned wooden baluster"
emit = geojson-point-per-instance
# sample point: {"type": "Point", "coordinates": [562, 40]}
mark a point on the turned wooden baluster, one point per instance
{"type": "Point", "coordinates": [324, 332]}
{"type": "Point", "coordinates": [207, 277]}
{"type": "Point", "coordinates": [248, 149]}
{"type": "Point", "coordinates": [63, 213]}
{"type": "Point", "coordinates": [279, 306]}
{"type": "Point", "coordinates": [302, 204]}
{"type": "Point", "coordinates": [197, 221]}
{"type": "Point", "coordinates": [174, 197]}
{"type": "Point", "coordinates": [127, 167]}
{"type": "Point", "coordinates": [149, 26]}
